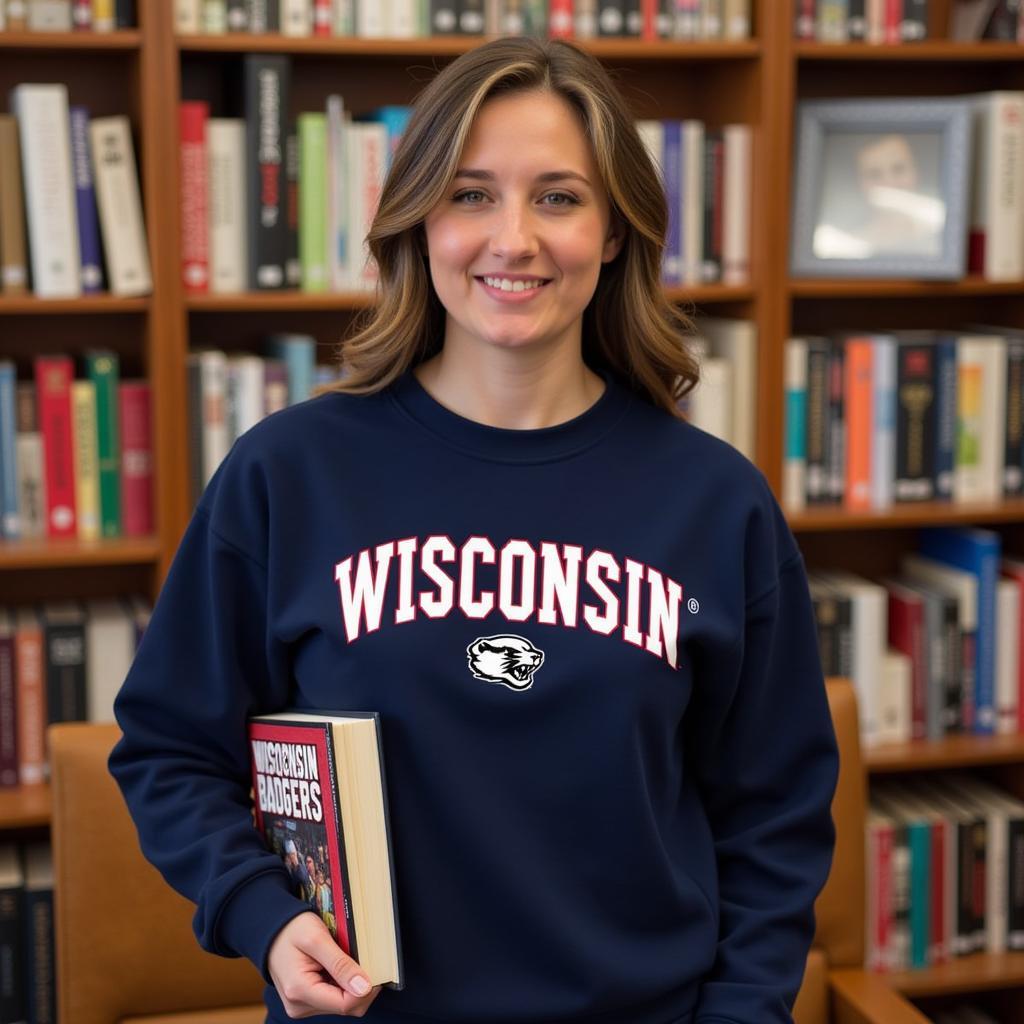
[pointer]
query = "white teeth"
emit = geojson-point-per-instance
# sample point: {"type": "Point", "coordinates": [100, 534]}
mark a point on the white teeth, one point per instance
{"type": "Point", "coordinates": [511, 286]}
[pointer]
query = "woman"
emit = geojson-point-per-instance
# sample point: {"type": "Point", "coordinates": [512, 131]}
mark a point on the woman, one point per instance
{"type": "Point", "coordinates": [584, 623]}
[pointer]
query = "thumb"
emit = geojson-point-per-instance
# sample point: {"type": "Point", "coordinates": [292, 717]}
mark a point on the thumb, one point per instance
{"type": "Point", "coordinates": [338, 964]}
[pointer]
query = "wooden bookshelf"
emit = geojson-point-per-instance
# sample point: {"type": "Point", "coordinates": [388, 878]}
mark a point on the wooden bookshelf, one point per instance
{"type": "Point", "coordinates": [758, 81]}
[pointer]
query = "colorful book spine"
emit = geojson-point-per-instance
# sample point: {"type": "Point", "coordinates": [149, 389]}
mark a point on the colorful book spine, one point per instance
{"type": "Point", "coordinates": [85, 203]}
{"type": "Point", "coordinates": [10, 519]}
{"type": "Point", "coordinates": [103, 369]}
{"type": "Point", "coordinates": [53, 376]}
{"type": "Point", "coordinates": [87, 477]}
{"type": "Point", "coordinates": [313, 220]}
{"type": "Point", "coordinates": [136, 457]}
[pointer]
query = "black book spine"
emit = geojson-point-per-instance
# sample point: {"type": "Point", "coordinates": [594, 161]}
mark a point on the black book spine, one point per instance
{"type": "Point", "coordinates": [837, 422]}
{"type": "Point", "coordinates": [125, 14]}
{"type": "Point", "coordinates": [915, 422]}
{"type": "Point", "coordinates": [825, 618]}
{"type": "Point", "coordinates": [952, 676]}
{"type": "Point", "coordinates": [8, 712]}
{"type": "Point", "coordinates": [471, 17]}
{"type": "Point", "coordinates": [42, 992]}
{"type": "Point", "coordinates": [1015, 903]}
{"type": "Point", "coordinates": [844, 636]}
{"type": "Point", "coordinates": [964, 941]}
{"type": "Point", "coordinates": [444, 17]}
{"type": "Point", "coordinates": [914, 23]}
{"type": "Point", "coordinates": [266, 82]}
{"type": "Point", "coordinates": [293, 265]}
{"type": "Point", "coordinates": [238, 16]}
{"type": "Point", "coordinates": [817, 421]}
{"type": "Point", "coordinates": [856, 21]}
{"type": "Point", "coordinates": [65, 672]}
{"type": "Point", "coordinates": [979, 857]}
{"type": "Point", "coordinates": [1013, 457]}
{"type": "Point", "coordinates": [12, 970]}
{"type": "Point", "coordinates": [611, 17]}
{"type": "Point", "coordinates": [273, 15]}
{"type": "Point", "coordinates": [1002, 25]}
{"type": "Point", "coordinates": [632, 18]}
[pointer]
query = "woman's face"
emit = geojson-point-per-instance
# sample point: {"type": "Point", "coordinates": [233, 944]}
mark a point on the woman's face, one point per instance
{"type": "Point", "coordinates": [517, 241]}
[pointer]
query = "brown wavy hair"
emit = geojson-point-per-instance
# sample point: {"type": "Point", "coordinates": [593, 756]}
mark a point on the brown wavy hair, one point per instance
{"type": "Point", "coordinates": [629, 326]}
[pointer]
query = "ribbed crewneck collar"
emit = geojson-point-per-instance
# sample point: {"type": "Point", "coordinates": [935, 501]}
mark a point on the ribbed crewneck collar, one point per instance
{"type": "Point", "coordinates": [508, 445]}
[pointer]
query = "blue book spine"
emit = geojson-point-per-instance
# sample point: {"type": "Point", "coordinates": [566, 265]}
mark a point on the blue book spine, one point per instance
{"type": "Point", "coordinates": [395, 118]}
{"type": "Point", "coordinates": [10, 521]}
{"type": "Point", "coordinates": [672, 161]}
{"type": "Point", "coordinates": [299, 354]}
{"type": "Point", "coordinates": [945, 416]}
{"type": "Point", "coordinates": [883, 435]}
{"type": "Point", "coordinates": [85, 203]}
{"type": "Point", "coordinates": [919, 835]}
{"type": "Point", "coordinates": [977, 552]}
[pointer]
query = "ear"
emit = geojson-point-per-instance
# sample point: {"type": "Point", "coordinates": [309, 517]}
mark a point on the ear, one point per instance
{"type": "Point", "coordinates": [615, 238]}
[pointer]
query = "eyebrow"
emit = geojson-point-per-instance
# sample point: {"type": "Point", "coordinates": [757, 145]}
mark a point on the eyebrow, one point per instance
{"type": "Point", "coordinates": [478, 175]}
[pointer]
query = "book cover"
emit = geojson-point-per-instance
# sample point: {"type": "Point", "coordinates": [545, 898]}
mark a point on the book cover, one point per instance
{"type": "Point", "coordinates": [305, 811]}
{"type": "Point", "coordinates": [103, 369]}
{"type": "Point", "coordinates": [85, 203]}
{"type": "Point", "coordinates": [53, 375]}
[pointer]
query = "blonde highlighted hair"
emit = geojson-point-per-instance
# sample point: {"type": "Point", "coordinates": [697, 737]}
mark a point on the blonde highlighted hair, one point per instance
{"type": "Point", "coordinates": [629, 326]}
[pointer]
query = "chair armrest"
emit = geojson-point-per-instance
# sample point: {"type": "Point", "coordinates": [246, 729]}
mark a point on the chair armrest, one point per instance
{"type": "Point", "coordinates": [862, 997]}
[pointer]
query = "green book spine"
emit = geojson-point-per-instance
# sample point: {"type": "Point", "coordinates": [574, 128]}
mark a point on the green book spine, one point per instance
{"type": "Point", "coordinates": [920, 892]}
{"type": "Point", "coordinates": [103, 370]}
{"type": "Point", "coordinates": [313, 201]}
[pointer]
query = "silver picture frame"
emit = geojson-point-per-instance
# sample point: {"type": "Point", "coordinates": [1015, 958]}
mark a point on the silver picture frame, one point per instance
{"type": "Point", "coordinates": [881, 188]}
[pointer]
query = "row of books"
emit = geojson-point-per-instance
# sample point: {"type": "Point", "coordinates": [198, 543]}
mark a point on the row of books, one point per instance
{"type": "Point", "coordinates": [62, 661]}
{"type": "Point", "coordinates": [933, 650]}
{"type": "Point", "coordinates": [66, 15]}
{"type": "Point", "coordinates": [876, 419]}
{"type": "Point", "coordinates": [406, 19]}
{"type": "Point", "coordinates": [866, 21]}
{"type": "Point", "coordinates": [230, 393]}
{"type": "Point", "coordinates": [945, 872]}
{"type": "Point", "coordinates": [71, 219]}
{"type": "Point", "coordinates": [28, 990]}
{"type": "Point", "coordinates": [76, 456]}
{"type": "Point", "coordinates": [724, 403]}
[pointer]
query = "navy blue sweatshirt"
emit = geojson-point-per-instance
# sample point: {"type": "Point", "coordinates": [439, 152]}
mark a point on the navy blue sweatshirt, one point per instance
{"type": "Point", "coordinates": [608, 750]}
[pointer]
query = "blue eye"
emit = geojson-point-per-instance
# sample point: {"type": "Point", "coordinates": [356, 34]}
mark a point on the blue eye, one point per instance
{"type": "Point", "coordinates": [460, 197]}
{"type": "Point", "coordinates": [566, 199]}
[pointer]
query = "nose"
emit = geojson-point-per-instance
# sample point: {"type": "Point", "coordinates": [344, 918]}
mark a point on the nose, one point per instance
{"type": "Point", "coordinates": [513, 237]}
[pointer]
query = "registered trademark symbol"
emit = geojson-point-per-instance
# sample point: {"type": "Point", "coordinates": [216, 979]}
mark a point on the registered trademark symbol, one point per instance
{"type": "Point", "coordinates": [693, 605]}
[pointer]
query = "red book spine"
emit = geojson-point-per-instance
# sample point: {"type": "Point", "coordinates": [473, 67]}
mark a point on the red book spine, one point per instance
{"type": "Point", "coordinates": [859, 424]}
{"type": "Point", "coordinates": [649, 23]}
{"type": "Point", "coordinates": [136, 458]}
{"type": "Point", "coordinates": [893, 15]}
{"type": "Point", "coordinates": [195, 228]}
{"type": "Point", "coordinates": [560, 15]}
{"type": "Point", "coordinates": [53, 396]}
{"type": "Point", "coordinates": [322, 17]}
{"type": "Point", "coordinates": [907, 635]}
{"type": "Point", "coordinates": [883, 896]}
{"type": "Point", "coordinates": [8, 713]}
{"type": "Point", "coordinates": [81, 16]}
{"type": "Point", "coordinates": [30, 700]}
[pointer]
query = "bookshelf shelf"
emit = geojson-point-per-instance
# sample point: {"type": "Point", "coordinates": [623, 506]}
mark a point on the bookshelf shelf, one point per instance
{"type": "Point", "coordinates": [980, 971]}
{"type": "Point", "coordinates": [932, 50]}
{"type": "Point", "coordinates": [31, 305]}
{"type": "Point", "coordinates": [450, 46]}
{"type": "Point", "coordinates": [56, 554]}
{"type": "Point", "coordinates": [906, 516]}
{"type": "Point", "coordinates": [831, 288]}
{"type": "Point", "coordinates": [951, 752]}
{"type": "Point", "coordinates": [293, 301]}
{"type": "Point", "coordinates": [25, 806]}
{"type": "Point", "coordinates": [124, 39]}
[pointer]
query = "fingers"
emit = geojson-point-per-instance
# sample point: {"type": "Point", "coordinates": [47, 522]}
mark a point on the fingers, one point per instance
{"type": "Point", "coordinates": [336, 962]}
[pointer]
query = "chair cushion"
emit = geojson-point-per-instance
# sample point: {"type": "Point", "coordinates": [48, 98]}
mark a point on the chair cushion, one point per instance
{"type": "Point", "coordinates": [234, 1015]}
{"type": "Point", "coordinates": [812, 1000]}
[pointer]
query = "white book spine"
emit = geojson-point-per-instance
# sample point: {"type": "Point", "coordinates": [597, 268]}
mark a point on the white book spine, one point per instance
{"type": "Point", "coordinates": [403, 19]}
{"type": "Point", "coordinates": [894, 699]}
{"type": "Point", "coordinates": [120, 206]}
{"type": "Point", "coordinates": [225, 150]}
{"type": "Point", "coordinates": [711, 402]}
{"type": "Point", "coordinates": [998, 184]}
{"type": "Point", "coordinates": [981, 406]}
{"type": "Point", "coordinates": [215, 17]}
{"type": "Point", "coordinates": [692, 194]}
{"type": "Point", "coordinates": [737, 19]}
{"type": "Point", "coordinates": [368, 153]}
{"type": "Point", "coordinates": [370, 21]}
{"type": "Point", "coordinates": [213, 370]}
{"type": "Point", "coordinates": [45, 134]}
{"type": "Point", "coordinates": [736, 340]}
{"type": "Point", "coordinates": [250, 397]}
{"type": "Point", "coordinates": [31, 484]}
{"type": "Point", "coordinates": [297, 17]}
{"type": "Point", "coordinates": [1007, 654]}
{"type": "Point", "coordinates": [794, 463]}
{"type": "Point", "coordinates": [736, 205]}
{"type": "Point", "coordinates": [49, 16]}
{"type": "Point", "coordinates": [883, 438]}
{"type": "Point", "coordinates": [109, 651]}
{"type": "Point", "coordinates": [187, 17]}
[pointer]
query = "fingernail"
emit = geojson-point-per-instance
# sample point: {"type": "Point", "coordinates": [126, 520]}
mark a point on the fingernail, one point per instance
{"type": "Point", "coordinates": [360, 986]}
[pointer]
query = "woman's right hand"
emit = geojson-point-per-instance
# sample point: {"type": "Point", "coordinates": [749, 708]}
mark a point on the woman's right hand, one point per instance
{"type": "Point", "coordinates": [300, 955]}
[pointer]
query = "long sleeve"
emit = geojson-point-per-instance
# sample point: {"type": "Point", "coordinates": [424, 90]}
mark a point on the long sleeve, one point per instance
{"type": "Point", "coordinates": [206, 661]}
{"type": "Point", "coordinates": [765, 755]}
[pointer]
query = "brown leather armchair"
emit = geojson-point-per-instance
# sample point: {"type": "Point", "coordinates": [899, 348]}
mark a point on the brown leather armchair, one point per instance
{"type": "Point", "coordinates": [836, 989]}
{"type": "Point", "coordinates": [126, 952]}
{"type": "Point", "coordinates": [125, 948]}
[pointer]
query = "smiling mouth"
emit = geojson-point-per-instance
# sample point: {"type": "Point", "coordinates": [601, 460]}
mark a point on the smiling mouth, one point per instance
{"type": "Point", "coordinates": [504, 284]}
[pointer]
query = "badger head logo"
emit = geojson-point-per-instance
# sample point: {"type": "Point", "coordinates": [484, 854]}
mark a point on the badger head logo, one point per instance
{"type": "Point", "coordinates": [505, 658]}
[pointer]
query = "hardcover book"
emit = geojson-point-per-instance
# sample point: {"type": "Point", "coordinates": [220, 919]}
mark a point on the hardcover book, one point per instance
{"type": "Point", "coordinates": [320, 802]}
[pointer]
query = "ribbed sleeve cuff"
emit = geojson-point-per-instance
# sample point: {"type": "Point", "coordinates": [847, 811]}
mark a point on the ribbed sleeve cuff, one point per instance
{"type": "Point", "coordinates": [255, 913]}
